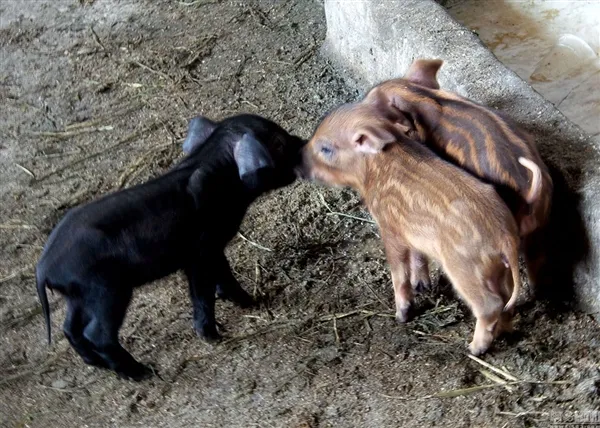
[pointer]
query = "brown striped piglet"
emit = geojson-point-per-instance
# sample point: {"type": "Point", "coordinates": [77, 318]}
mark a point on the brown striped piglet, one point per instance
{"type": "Point", "coordinates": [481, 140]}
{"type": "Point", "coordinates": [425, 207]}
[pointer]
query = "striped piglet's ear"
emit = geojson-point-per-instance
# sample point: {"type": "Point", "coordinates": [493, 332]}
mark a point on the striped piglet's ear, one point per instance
{"type": "Point", "coordinates": [372, 139]}
{"type": "Point", "coordinates": [424, 72]}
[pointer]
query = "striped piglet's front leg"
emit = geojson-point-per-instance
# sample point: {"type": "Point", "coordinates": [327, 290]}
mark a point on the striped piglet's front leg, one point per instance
{"type": "Point", "coordinates": [419, 272]}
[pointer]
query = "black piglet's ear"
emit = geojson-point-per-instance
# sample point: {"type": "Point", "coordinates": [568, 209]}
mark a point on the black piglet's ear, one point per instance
{"type": "Point", "coordinates": [199, 130]}
{"type": "Point", "coordinates": [251, 156]}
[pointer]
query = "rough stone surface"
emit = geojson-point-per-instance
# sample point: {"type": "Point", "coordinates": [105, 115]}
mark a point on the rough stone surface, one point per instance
{"type": "Point", "coordinates": [373, 41]}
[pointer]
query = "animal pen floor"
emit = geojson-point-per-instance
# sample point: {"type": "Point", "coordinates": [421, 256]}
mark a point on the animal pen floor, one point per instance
{"type": "Point", "coordinates": [96, 96]}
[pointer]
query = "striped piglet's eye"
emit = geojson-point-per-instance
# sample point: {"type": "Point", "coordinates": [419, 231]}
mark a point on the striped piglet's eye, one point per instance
{"type": "Point", "coordinates": [326, 150]}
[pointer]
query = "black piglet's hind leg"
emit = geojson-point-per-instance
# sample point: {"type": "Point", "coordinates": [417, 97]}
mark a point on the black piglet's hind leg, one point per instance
{"type": "Point", "coordinates": [73, 327]}
{"type": "Point", "coordinates": [107, 311]}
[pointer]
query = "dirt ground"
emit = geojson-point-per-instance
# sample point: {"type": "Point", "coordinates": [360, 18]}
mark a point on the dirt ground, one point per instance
{"type": "Point", "coordinates": [96, 96]}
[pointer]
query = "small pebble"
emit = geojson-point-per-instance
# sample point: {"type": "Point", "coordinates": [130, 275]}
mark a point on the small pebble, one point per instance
{"type": "Point", "coordinates": [60, 384]}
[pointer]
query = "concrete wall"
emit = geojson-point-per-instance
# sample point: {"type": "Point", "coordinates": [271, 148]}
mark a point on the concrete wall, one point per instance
{"type": "Point", "coordinates": [373, 40]}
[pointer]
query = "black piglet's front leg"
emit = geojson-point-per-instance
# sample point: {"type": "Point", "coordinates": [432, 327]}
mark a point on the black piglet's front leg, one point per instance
{"type": "Point", "coordinates": [228, 287]}
{"type": "Point", "coordinates": [202, 284]}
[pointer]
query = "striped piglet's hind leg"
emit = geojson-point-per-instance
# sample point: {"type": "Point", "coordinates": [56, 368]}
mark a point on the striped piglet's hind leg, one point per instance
{"type": "Point", "coordinates": [485, 302]}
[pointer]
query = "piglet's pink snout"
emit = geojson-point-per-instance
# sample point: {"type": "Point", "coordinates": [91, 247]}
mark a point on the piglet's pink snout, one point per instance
{"type": "Point", "coordinates": [304, 168]}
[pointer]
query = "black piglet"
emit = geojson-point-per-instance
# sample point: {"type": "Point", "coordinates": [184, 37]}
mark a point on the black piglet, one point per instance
{"type": "Point", "coordinates": [101, 251]}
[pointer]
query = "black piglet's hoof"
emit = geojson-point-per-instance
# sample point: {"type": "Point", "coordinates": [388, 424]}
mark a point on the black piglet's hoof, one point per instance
{"type": "Point", "coordinates": [209, 334]}
{"type": "Point", "coordinates": [137, 373]}
{"type": "Point", "coordinates": [246, 302]}
{"type": "Point", "coordinates": [237, 295]}
{"type": "Point", "coordinates": [95, 361]}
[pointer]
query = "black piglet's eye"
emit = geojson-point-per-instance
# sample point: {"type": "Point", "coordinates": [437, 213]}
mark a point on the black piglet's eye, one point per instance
{"type": "Point", "coordinates": [278, 144]}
